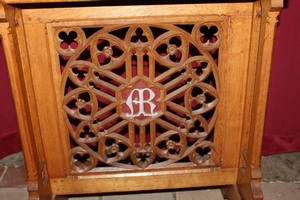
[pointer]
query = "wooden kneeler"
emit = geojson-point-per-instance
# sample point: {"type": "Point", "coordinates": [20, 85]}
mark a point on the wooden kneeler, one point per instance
{"type": "Point", "coordinates": [131, 97]}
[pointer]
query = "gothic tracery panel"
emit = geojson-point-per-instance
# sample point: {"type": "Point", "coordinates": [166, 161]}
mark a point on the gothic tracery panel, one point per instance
{"type": "Point", "coordinates": [140, 96]}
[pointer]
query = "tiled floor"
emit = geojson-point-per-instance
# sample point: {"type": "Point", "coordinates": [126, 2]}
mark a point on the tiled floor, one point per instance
{"type": "Point", "coordinates": [272, 191]}
{"type": "Point", "coordinates": [12, 171]}
{"type": "Point", "coordinates": [13, 179]}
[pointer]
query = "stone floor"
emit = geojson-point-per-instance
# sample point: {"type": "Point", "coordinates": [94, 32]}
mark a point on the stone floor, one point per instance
{"type": "Point", "coordinates": [281, 168]}
{"type": "Point", "coordinates": [281, 181]}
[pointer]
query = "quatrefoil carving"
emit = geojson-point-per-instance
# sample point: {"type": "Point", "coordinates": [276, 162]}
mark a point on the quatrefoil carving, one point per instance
{"type": "Point", "coordinates": [69, 40]}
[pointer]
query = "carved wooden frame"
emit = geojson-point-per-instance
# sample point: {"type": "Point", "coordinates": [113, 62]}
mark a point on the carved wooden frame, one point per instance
{"type": "Point", "coordinates": [241, 107]}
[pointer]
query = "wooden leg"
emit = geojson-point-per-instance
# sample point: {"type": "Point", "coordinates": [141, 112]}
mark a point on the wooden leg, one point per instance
{"type": "Point", "coordinates": [249, 185]}
{"type": "Point", "coordinates": [231, 192]}
{"type": "Point", "coordinates": [246, 190]}
{"type": "Point", "coordinates": [256, 189]}
{"type": "Point", "coordinates": [33, 195]}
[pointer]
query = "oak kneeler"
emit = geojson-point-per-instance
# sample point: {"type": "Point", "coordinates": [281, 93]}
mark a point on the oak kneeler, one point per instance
{"type": "Point", "coordinates": [130, 97]}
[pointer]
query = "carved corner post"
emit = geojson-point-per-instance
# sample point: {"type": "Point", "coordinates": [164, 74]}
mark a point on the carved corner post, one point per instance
{"type": "Point", "coordinates": [14, 43]}
{"type": "Point", "coordinates": [260, 61]}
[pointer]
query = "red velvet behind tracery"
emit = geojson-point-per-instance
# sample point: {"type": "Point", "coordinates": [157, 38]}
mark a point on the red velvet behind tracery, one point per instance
{"type": "Point", "coordinates": [282, 132]}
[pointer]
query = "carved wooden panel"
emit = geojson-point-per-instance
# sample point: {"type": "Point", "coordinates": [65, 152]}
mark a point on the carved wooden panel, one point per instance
{"type": "Point", "coordinates": [140, 96]}
{"type": "Point", "coordinates": [126, 95]}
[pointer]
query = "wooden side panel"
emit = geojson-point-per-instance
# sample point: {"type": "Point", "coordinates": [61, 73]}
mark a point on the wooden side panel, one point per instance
{"type": "Point", "coordinates": [56, 77]}
{"type": "Point", "coordinates": [22, 112]}
{"type": "Point", "coordinates": [12, 35]}
{"type": "Point", "coordinates": [45, 98]}
{"type": "Point", "coordinates": [235, 83]}
{"type": "Point", "coordinates": [262, 40]}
